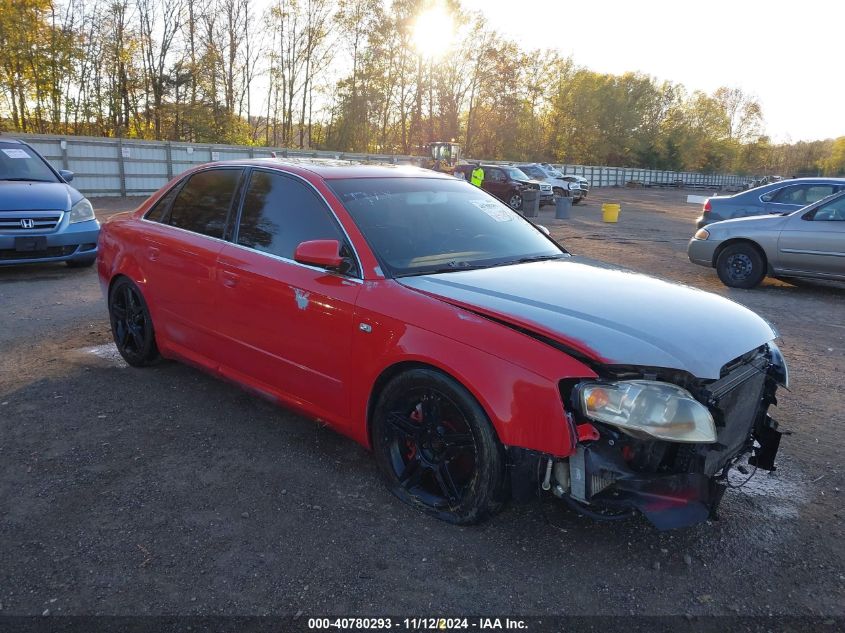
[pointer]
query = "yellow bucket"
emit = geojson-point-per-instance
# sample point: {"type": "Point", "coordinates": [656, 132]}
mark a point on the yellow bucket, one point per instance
{"type": "Point", "coordinates": [610, 212]}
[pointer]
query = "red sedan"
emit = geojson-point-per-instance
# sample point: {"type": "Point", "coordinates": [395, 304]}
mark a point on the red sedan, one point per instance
{"type": "Point", "coordinates": [426, 320]}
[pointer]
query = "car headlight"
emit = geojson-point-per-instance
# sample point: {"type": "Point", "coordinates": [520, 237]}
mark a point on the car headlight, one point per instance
{"type": "Point", "coordinates": [647, 408]}
{"type": "Point", "coordinates": [702, 234]}
{"type": "Point", "coordinates": [82, 211]}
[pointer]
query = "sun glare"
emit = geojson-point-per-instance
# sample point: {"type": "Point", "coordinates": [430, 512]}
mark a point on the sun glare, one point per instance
{"type": "Point", "coordinates": [433, 32]}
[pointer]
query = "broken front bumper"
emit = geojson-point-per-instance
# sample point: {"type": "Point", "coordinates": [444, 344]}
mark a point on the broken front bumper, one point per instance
{"type": "Point", "coordinates": [679, 484]}
{"type": "Point", "coordinates": [600, 477]}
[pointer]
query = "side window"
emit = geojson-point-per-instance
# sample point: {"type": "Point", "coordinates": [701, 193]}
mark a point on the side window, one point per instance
{"type": "Point", "coordinates": [495, 175]}
{"type": "Point", "coordinates": [203, 204]}
{"type": "Point", "coordinates": [833, 211]}
{"type": "Point", "coordinates": [280, 212]}
{"type": "Point", "coordinates": [791, 195]}
{"type": "Point", "coordinates": [161, 208]}
{"type": "Point", "coordinates": [817, 192]}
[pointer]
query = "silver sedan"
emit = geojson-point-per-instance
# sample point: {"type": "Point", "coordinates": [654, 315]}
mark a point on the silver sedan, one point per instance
{"type": "Point", "coordinates": [809, 242]}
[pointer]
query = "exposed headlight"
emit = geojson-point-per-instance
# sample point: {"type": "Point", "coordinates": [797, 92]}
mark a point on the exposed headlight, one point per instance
{"type": "Point", "coordinates": [648, 408]}
{"type": "Point", "coordinates": [779, 368]}
{"type": "Point", "coordinates": [702, 234]}
{"type": "Point", "coordinates": [82, 211]}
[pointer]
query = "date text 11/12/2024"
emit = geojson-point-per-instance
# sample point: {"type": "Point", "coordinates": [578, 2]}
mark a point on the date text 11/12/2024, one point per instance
{"type": "Point", "coordinates": [417, 624]}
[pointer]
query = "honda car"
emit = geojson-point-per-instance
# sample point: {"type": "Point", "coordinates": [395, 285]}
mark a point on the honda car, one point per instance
{"type": "Point", "coordinates": [42, 218]}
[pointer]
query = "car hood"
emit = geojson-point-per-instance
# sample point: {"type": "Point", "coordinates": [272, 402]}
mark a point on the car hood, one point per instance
{"type": "Point", "coordinates": [531, 181]}
{"type": "Point", "coordinates": [613, 316]}
{"type": "Point", "coordinates": [37, 196]}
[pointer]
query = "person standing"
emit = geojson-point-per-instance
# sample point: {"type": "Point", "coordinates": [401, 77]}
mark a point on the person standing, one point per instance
{"type": "Point", "coordinates": [477, 176]}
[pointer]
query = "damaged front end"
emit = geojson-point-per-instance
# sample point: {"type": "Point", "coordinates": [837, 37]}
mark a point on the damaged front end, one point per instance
{"type": "Point", "coordinates": [662, 442]}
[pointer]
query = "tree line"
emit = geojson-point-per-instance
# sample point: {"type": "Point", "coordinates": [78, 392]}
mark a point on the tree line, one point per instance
{"type": "Point", "coordinates": [353, 75]}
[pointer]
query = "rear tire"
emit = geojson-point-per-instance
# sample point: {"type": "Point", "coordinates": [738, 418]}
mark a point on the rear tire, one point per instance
{"type": "Point", "coordinates": [515, 202]}
{"type": "Point", "coordinates": [131, 324]}
{"type": "Point", "coordinates": [436, 449]}
{"type": "Point", "coordinates": [741, 266]}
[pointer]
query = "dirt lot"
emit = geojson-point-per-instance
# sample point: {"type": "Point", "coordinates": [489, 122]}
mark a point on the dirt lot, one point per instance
{"type": "Point", "coordinates": [165, 491]}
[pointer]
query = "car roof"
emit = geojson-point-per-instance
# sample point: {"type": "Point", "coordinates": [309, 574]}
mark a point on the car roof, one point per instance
{"type": "Point", "coordinates": [11, 141]}
{"type": "Point", "coordinates": [330, 169]}
{"type": "Point", "coordinates": [808, 179]}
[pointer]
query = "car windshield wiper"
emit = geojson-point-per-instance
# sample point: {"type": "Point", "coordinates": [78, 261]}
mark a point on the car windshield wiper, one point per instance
{"type": "Point", "coordinates": [26, 180]}
{"type": "Point", "coordinates": [534, 258]}
{"type": "Point", "coordinates": [453, 267]}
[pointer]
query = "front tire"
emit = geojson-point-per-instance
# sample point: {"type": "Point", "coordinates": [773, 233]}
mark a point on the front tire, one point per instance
{"type": "Point", "coordinates": [741, 266]}
{"type": "Point", "coordinates": [515, 202]}
{"type": "Point", "coordinates": [436, 449]}
{"type": "Point", "coordinates": [131, 324]}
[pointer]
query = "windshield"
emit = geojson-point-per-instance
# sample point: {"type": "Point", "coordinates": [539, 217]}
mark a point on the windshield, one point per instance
{"type": "Point", "coordinates": [19, 162]}
{"type": "Point", "coordinates": [423, 225]}
{"type": "Point", "coordinates": [534, 172]}
{"type": "Point", "coordinates": [515, 174]}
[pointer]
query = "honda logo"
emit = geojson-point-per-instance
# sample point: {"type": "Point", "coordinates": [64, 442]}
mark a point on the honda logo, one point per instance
{"type": "Point", "coordinates": [27, 223]}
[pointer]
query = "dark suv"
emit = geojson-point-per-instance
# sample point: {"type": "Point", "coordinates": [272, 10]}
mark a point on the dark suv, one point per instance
{"type": "Point", "coordinates": [507, 183]}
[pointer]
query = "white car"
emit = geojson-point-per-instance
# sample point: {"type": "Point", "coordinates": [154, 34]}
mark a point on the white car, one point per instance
{"type": "Point", "coordinates": [548, 174]}
{"type": "Point", "coordinates": [575, 180]}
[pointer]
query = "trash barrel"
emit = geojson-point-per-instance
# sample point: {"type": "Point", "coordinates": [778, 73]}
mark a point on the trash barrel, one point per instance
{"type": "Point", "coordinates": [563, 205]}
{"type": "Point", "coordinates": [531, 203]}
{"type": "Point", "coordinates": [610, 212]}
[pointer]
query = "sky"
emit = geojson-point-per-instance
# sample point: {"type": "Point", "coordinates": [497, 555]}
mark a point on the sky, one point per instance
{"type": "Point", "coordinates": [787, 54]}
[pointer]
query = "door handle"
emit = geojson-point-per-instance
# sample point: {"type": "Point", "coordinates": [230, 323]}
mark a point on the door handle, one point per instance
{"type": "Point", "coordinates": [153, 253]}
{"type": "Point", "coordinates": [230, 279]}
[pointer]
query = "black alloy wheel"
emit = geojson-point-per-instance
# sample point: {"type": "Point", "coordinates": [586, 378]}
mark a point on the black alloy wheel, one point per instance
{"type": "Point", "coordinates": [436, 449]}
{"type": "Point", "coordinates": [131, 325]}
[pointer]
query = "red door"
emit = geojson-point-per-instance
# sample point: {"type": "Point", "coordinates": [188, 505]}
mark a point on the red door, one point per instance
{"type": "Point", "coordinates": [287, 327]}
{"type": "Point", "coordinates": [179, 254]}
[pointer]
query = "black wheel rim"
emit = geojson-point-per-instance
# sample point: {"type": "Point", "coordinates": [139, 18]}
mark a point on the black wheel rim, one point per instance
{"type": "Point", "coordinates": [431, 448]}
{"type": "Point", "coordinates": [739, 266]}
{"type": "Point", "coordinates": [129, 321]}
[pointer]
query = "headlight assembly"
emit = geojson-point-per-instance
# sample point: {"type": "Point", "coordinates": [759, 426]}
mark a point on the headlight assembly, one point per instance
{"type": "Point", "coordinates": [702, 234]}
{"type": "Point", "coordinates": [82, 211]}
{"type": "Point", "coordinates": [646, 408]}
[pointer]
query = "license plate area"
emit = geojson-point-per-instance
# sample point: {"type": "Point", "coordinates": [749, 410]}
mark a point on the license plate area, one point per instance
{"type": "Point", "coordinates": [32, 244]}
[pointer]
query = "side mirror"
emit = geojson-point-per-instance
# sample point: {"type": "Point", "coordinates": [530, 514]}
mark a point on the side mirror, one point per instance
{"type": "Point", "coordinates": [322, 253]}
{"type": "Point", "coordinates": [767, 197]}
{"type": "Point", "coordinates": [544, 229]}
{"type": "Point", "coordinates": [66, 174]}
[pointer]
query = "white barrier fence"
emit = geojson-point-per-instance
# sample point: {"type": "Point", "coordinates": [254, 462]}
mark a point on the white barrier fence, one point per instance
{"type": "Point", "coordinates": [126, 167]}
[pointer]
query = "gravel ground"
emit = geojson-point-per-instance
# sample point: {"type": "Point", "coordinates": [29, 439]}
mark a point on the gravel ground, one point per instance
{"type": "Point", "coordinates": [165, 491]}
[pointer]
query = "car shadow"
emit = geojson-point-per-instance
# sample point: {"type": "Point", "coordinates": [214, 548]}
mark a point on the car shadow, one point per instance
{"type": "Point", "coordinates": [796, 286]}
{"type": "Point", "coordinates": [36, 272]}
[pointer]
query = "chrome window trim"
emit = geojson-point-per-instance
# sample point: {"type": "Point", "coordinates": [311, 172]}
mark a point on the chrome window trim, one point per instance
{"type": "Point", "coordinates": [286, 260]}
{"type": "Point", "coordinates": [248, 170]}
{"type": "Point", "coordinates": [325, 271]}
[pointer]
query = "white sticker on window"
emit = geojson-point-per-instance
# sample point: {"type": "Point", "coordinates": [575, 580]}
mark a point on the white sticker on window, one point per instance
{"type": "Point", "coordinates": [493, 209]}
{"type": "Point", "coordinates": [16, 153]}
